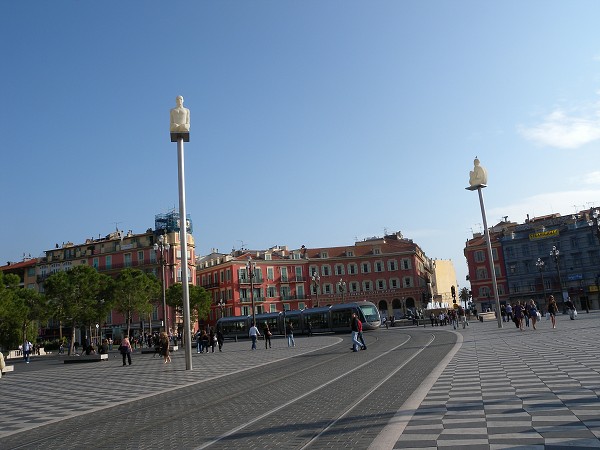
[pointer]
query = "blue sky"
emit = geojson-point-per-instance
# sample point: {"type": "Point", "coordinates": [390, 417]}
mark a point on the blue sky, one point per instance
{"type": "Point", "coordinates": [312, 123]}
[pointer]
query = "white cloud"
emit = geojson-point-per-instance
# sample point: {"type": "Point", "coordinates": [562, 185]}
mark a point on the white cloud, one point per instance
{"type": "Point", "coordinates": [561, 130]}
{"type": "Point", "coordinates": [592, 178]}
{"type": "Point", "coordinates": [566, 202]}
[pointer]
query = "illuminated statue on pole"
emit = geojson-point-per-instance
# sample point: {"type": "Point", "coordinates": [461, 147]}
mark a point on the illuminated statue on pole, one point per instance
{"type": "Point", "coordinates": [478, 175]}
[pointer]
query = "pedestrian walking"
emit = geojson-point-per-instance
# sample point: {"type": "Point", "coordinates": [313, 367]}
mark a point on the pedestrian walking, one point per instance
{"type": "Point", "coordinates": [125, 350]}
{"type": "Point", "coordinates": [198, 341]}
{"type": "Point", "coordinates": [267, 333]}
{"type": "Point", "coordinates": [360, 334]}
{"type": "Point", "coordinates": [354, 330]}
{"type": "Point", "coordinates": [518, 312]}
{"type": "Point", "coordinates": [289, 330]}
{"type": "Point", "coordinates": [254, 334]}
{"type": "Point", "coordinates": [205, 341]}
{"type": "Point", "coordinates": [165, 349]}
{"type": "Point", "coordinates": [552, 310]}
{"type": "Point", "coordinates": [27, 346]}
{"type": "Point", "coordinates": [533, 313]}
{"type": "Point", "coordinates": [212, 338]}
{"type": "Point", "coordinates": [220, 339]}
{"type": "Point", "coordinates": [571, 307]}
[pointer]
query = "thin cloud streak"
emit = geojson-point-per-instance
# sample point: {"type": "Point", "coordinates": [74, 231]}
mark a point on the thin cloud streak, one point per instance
{"type": "Point", "coordinates": [560, 130]}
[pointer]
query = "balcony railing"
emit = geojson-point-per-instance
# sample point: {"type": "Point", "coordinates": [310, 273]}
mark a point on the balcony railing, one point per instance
{"type": "Point", "coordinates": [255, 280]}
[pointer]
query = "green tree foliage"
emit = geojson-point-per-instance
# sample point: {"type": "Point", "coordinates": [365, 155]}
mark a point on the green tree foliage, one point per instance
{"type": "Point", "coordinates": [134, 292]}
{"type": "Point", "coordinates": [10, 313]}
{"type": "Point", "coordinates": [74, 296]}
{"type": "Point", "coordinates": [33, 308]}
{"type": "Point", "coordinates": [199, 300]}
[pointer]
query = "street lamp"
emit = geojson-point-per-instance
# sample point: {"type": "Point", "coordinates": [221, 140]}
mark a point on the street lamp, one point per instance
{"type": "Point", "coordinates": [162, 248]}
{"type": "Point", "coordinates": [250, 266]}
{"type": "Point", "coordinates": [342, 288]}
{"type": "Point", "coordinates": [316, 281]}
{"type": "Point", "coordinates": [221, 305]}
{"type": "Point", "coordinates": [541, 266]}
{"type": "Point", "coordinates": [593, 222]}
{"type": "Point", "coordinates": [555, 254]}
{"type": "Point", "coordinates": [478, 181]}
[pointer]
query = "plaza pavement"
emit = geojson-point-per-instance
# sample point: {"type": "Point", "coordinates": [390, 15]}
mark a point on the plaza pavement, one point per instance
{"type": "Point", "coordinates": [499, 388]}
{"type": "Point", "coordinates": [505, 388]}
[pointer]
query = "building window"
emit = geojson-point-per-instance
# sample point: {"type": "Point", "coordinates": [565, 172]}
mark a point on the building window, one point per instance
{"type": "Point", "coordinates": [367, 286]}
{"type": "Point", "coordinates": [574, 243]}
{"type": "Point", "coordinates": [406, 264]}
{"type": "Point", "coordinates": [365, 267]}
{"type": "Point", "coordinates": [352, 269]}
{"type": "Point", "coordinates": [380, 285]}
{"type": "Point", "coordinates": [271, 291]}
{"type": "Point", "coordinates": [354, 286]}
{"type": "Point", "coordinates": [327, 288]}
{"type": "Point", "coordinates": [484, 292]}
{"type": "Point", "coordinates": [377, 251]}
{"type": "Point", "coordinates": [325, 270]}
{"type": "Point", "coordinates": [482, 273]}
{"type": "Point", "coordinates": [408, 282]}
{"type": "Point", "coordinates": [379, 266]}
{"type": "Point", "coordinates": [108, 262]}
{"type": "Point", "coordinates": [479, 256]}
{"type": "Point", "coordinates": [272, 307]}
{"type": "Point", "coordinates": [394, 283]}
{"type": "Point", "coordinates": [140, 256]}
{"type": "Point", "coordinates": [284, 275]}
{"type": "Point", "coordinates": [324, 255]}
{"type": "Point", "coordinates": [127, 259]}
{"type": "Point", "coordinates": [300, 291]}
{"type": "Point", "coordinates": [349, 253]}
{"type": "Point", "coordinates": [392, 265]}
{"type": "Point", "coordinates": [270, 274]}
{"type": "Point", "coordinates": [339, 269]}
{"type": "Point", "coordinates": [510, 252]}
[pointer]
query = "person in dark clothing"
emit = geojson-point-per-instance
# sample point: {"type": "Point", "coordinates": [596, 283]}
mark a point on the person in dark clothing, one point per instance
{"type": "Point", "coordinates": [267, 333]}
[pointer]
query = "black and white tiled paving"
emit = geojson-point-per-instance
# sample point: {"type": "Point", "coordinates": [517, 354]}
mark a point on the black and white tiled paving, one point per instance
{"type": "Point", "coordinates": [507, 388]}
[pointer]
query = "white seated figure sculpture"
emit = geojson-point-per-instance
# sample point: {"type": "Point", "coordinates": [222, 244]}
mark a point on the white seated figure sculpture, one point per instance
{"type": "Point", "coordinates": [478, 175]}
{"type": "Point", "coordinates": [180, 117]}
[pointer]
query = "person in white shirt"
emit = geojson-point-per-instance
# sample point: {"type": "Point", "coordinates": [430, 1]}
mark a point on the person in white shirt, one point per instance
{"type": "Point", "coordinates": [254, 334]}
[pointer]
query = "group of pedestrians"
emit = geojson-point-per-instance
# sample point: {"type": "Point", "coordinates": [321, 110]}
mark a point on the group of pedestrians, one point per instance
{"type": "Point", "coordinates": [526, 313]}
{"type": "Point", "coordinates": [267, 333]}
{"type": "Point", "coordinates": [209, 340]}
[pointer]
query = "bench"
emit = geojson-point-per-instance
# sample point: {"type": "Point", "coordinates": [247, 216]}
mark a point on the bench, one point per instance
{"type": "Point", "coordinates": [487, 316]}
{"type": "Point", "coordinates": [148, 350]}
{"type": "Point", "coordinates": [6, 370]}
{"type": "Point", "coordinates": [86, 358]}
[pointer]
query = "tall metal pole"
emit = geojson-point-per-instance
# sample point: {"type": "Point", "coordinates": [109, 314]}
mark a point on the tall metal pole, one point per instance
{"type": "Point", "coordinates": [164, 292]}
{"type": "Point", "coordinates": [187, 338]}
{"type": "Point", "coordinates": [180, 131]}
{"type": "Point", "coordinates": [490, 256]}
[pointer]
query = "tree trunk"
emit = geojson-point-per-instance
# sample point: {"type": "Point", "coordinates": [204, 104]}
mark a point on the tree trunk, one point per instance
{"type": "Point", "coordinates": [60, 330]}
{"type": "Point", "coordinates": [128, 323]}
{"type": "Point", "coordinates": [72, 344]}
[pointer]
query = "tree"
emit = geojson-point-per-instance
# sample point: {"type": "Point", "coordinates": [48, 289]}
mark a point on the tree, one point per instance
{"type": "Point", "coordinates": [10, 332]}
{"type": "Point", "coordinates": [33, 308]}
{"type": "Point", "coordinates": [73, 295]}
{"type": "Point", "coordinates": [134, 292]}
{"type": "Point", "coordinates": [199, 300]}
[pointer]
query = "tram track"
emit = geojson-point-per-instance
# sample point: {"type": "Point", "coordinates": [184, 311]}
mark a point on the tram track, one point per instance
{"type": "Point", "coordinates": [295, 403]}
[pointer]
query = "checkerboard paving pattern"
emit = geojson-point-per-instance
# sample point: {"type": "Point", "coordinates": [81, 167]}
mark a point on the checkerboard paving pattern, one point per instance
{"type": "Point", "coordinates": [507, 388]}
